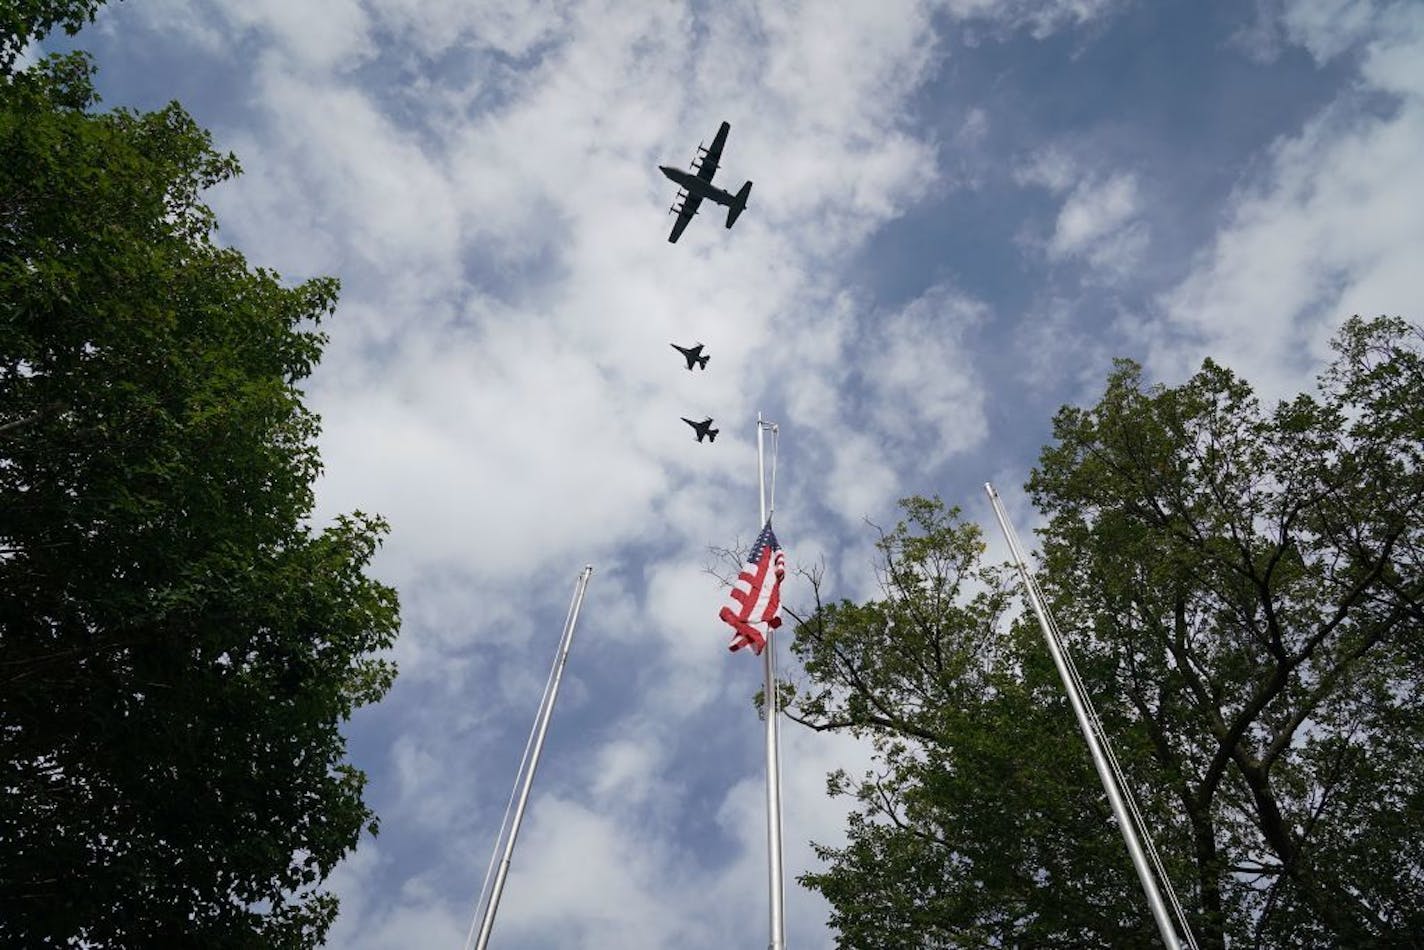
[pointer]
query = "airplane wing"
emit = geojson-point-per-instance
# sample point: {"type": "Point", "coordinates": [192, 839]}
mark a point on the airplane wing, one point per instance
{"type": "Point", "coordinates": [685, 211]}
{"type": "Point", "coordinates": [707, 163]}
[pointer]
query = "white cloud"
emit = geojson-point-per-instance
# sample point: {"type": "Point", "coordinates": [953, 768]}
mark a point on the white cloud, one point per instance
{"type": "Point", "coordinates": [1328, 28]}
{"type": "Point", "coordinates": [374, 918]}
{"type": "Point", "coordinates": [193, 23]}
{"type": "Point", "coordinates": [321, 35]}
{"type": "Point", "coordinates": [825, 70]}
{"type": "Point", "coordinates": [1040, 17]}
{"type": "Point", "coordinates": [626, 770]}
{"type": "Point", "coordinates": [1334, 226]}
{"type": "Point", "coordinates": [926, 400]}
{"type": "Point", "coordinates": [507, 27]}
{"type": "Point", "coordinates": [861, 478]}
{"type": "Point", "coordinates": [1051, 168]}
{"type": "Point", "coordinates": [681, 617]}
{"type": "Point", "coordinates": [335, 184]}
{"type": "Point", "coordinates": [974, 128]}
{"type": "Point", "coordinates": [898, 388]}
{"type": "Point", "coordinates": [597, 882]}
{"type": "Point", "coordinates": [1100, 222]}
{"type": "Point", "coordinates": [316, 35]}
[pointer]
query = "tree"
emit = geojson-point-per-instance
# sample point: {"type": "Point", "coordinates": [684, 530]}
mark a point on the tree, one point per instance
{"type": "Point", "coordinates": [22, 21]}
{"type": "Point", "coordinates": [178, 648]}
{"type": "Point", "coordinates": [1241, 589]}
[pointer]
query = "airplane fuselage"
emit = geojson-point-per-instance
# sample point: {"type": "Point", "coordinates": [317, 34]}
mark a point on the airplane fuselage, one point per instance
{"type": "Point", "coordinates": [696, 186]}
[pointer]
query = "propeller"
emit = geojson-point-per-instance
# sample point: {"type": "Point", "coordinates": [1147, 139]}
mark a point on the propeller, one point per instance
{"type": "Point", "coordinates": [678, 202]}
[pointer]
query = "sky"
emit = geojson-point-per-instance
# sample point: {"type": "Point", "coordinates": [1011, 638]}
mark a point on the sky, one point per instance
{"type": "Point", "coordinates": [963, 212]}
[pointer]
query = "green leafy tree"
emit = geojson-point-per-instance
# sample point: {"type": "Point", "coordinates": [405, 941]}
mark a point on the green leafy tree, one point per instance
{"type": "Point", "coordinates": [178, 648]}
{"type": "Point", "coordinates": [22, 21]}
{"type": "Point", "coordinates": [1241, 589]}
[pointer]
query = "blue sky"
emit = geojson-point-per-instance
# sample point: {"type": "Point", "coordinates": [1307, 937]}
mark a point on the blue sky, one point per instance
{"type": "Point", "coordinates": [962, 212]}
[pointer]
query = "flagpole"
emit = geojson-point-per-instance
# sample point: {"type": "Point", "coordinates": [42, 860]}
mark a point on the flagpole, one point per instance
{"type": "Point", "coordinates": [1081, 708]}
{"type": "Point", "coordinates": [541, 729]}
{"type": "Point", "coordinates": [773, 756]}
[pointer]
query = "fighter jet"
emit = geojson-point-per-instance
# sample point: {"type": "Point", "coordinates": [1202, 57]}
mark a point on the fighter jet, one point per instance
{"type": "Point", "coordinates": [703, 428]}
{"type": "Point", "coordinates": [697, 184]}
{"type": "Point", "coordinates": [693, 355]}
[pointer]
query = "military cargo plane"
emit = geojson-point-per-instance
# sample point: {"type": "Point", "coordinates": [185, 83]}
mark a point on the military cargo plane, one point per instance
{"type": "Point", "coordinates": [697, 184]}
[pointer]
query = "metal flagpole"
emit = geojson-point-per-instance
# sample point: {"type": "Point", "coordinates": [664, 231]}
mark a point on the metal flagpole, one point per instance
{"type": "Point", "coordinates": [1095, 750]}
{"type": "Point", "coordinates": [546, 711]}
{"type": "Point", "coordinates": [773, 756]}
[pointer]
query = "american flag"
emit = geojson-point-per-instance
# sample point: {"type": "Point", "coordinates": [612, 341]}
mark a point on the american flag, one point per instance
{"type": "Point", "coordinates": [756, 597]}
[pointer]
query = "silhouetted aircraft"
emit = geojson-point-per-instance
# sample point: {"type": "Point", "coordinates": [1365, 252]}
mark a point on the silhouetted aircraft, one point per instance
{"type": "Point", "coordinates": [693, 355]}
{"type": "Point", "coordinates": [703, 428]}
{"type": "Point", "coordinates": [697, 184]}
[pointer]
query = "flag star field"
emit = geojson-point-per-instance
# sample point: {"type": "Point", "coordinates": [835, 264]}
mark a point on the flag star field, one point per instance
{"type": "Point", "coordinates": [963, 212]}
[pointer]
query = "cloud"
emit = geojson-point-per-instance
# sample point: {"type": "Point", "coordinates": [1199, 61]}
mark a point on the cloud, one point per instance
{"type": "Point", "coordinates": [924, 397]}
{"type": "Point", "coordinates": [317, 35]}
{"type": "Point", "coordinates": [1331, 227]}
{"type": "Point", "coordinates": [973, 130]}
{"type": "Point", "coordinates": [1040, 17]}
{"type": "Point", "coordinates": [341, 176]}
{"type": "Point", "coordinates": [375, 916]}
{"type": "Point", "coordinates": [1327, 28]}
{"type": "Point", "coordinates": [511, 29]}
{"type": "Point", "coordinates": [897, 388]}
{"type": "Point", "coordinates": [599, 882]}
{"type": "Point", "coordinates": [1051, 168]}
{"type": "Point", "coordinates": [1100, 221]}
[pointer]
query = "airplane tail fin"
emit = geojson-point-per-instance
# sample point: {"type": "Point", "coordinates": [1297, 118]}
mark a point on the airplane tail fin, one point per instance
{"type": "Point", "coordinates": [738, 205]}
{"type": "Point", "coordinates": [702, 361]}
{"type": "Point", "coordinates": [712, 434]}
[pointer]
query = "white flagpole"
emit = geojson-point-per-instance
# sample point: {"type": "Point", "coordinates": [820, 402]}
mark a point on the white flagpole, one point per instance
{"type": "Point", "coordinates": [546, 712]}
{"type": "Point", "coordinates": [773, 755]}
{"type": "Point", "coordinates": [1095, 750]}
